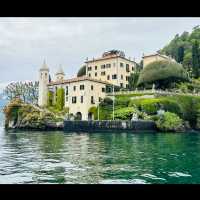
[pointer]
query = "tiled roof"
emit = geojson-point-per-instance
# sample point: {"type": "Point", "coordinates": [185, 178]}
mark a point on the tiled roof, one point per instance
{"type": "Point", "coordinates": [107, 58]}
{"type": "Point", "coordinates": [77, 79]}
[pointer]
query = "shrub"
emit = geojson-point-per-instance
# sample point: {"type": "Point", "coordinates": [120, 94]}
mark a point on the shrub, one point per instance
{"type": "Point", "coordinates": [169, 122]}
{"type": "Point", "coordinates": [125, 113]}
{"type": "Point", "coordinates": [163, 73]}
{"type": "Point", "coordinates": [151, 106]}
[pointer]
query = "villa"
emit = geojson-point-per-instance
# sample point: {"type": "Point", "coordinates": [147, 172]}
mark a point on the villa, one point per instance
{"type": "Point", "coordinates": [111, 70]}
{"type": "Point", "coordinates": [147, 59]}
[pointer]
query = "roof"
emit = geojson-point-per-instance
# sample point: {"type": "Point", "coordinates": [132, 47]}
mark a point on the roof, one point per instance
{"type": "Point", "coordinates": [107, 58]}
{"type": "Point", "coordinates": [157, 54]}
{"type": "Point", "coordinates": [60, 70]}
{"type": "Point", "coordinates": [44, 66]}
{"type": "Point", "coordinates": [84, 78]}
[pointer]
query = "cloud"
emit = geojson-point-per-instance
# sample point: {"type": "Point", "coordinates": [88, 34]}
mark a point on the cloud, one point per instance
{"type": "Point", "coordinates": [25, 42]}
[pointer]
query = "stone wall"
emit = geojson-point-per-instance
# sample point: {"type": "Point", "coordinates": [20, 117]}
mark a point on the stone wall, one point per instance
{"type": "Point", "coordinates": [109, 125]}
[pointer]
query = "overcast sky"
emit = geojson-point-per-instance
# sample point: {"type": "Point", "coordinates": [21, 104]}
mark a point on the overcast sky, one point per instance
{"type": "Point", "coordinates": [26, 42]}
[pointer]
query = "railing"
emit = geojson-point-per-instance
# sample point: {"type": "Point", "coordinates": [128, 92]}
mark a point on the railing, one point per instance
{"type": "Point", "coordinates": [165, 92]}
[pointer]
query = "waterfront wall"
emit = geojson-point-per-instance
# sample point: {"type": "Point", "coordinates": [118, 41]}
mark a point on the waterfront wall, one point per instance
{"type": "Point", "coordinates": [109, 125]}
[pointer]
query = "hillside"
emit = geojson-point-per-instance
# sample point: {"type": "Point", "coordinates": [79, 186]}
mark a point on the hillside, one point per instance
{"type": "Point", "coordinates": [184, 48]}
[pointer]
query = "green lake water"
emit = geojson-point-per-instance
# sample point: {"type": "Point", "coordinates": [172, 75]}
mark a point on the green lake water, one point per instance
{"type": "Point", "coordinates": [106, 158]}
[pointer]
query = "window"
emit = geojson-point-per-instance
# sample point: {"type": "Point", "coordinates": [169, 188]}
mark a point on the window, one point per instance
{"type": "Point", "coordinates": [108, 77]}
{"type": "Point", "coordinates": [121, 84]}
{"type": "Point", "coordinates": [81, 99]}
{"type": "Point", "coordinates": [127, 86]}
{"type": "Point", "coordinates": [103, 73]}
{"type": "Point", "coordinates": [95, 74]}
{"type": "Point", "coordinates": [126, 78]}
{"type": "Point", "coordinates": [92, 100]}
{"type": "Point", "coordinates": [89, 68]}
{"type": "Point", "coordinates": [132, 68]}
{"type": "Point", "coordinates": [74, 88]}
{"type": "Point", "coordinates": [92, 87]}
{"type": "Point", "coordinates": [114, 76]}
{"type": "Point", "coordinates": [121, 77]}
{"type": "Point", "coordinates": [103, 66]}
{"type": "Point", "coordinates": [100, 99]}
{"type": "Point", "coordinates": [66, 89]}
{"type": "Point", "coordinates": [121, 64]}
{"type": "Point", "coordinates": [89, 75]}
{"type": "Point", "coordinates": [103, 89]}
{"type": "Point", "coordinates": [66, 99]}
{"type": "Point", "coordinates": [73, 99]}
{"type": "Point", "coordinates": [127, 68]}
{"type": "Point", "coordinates": [95, 67]}
{"type": "Point", "coordinates": [81, 87]}
{"type": "Point", "coordinates": [108, 65]}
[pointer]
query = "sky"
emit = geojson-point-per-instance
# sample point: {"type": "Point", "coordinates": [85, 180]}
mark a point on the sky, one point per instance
{"type": "Point", "coordinates": [26, 42]}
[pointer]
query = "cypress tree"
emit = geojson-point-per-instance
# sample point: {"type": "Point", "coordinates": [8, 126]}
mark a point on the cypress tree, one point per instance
{"type": "Point", "coordinates": [60, 99]}
{"type": "Point", "coordinates": [180, 54]}
{"type": "Point", "coordinates": [195, 59]}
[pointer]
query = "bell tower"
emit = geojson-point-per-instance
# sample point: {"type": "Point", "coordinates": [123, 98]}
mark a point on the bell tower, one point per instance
{"type": "Point", "coordinates": [43, 81]}
{"type": "Point", "coordinates": [60, 75]}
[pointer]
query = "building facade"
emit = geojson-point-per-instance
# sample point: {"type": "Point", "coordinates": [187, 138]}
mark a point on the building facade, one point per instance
{"type": "Point", "coordinates": [112, 67]}
{"type": "Point", "coordinates": [81, 94]}
{"type": "Point", "coordinates": [147, 59]}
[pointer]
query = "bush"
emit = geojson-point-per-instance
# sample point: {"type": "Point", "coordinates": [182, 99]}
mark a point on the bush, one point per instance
{"type": "Point", "coordinates": [151, 106]}
{"type": "Point", "coordinates": [125, 113]}
{"type": "Point", "coordinates": [163, 73]}
{"type": "Point", "coordinates": [169, 122]}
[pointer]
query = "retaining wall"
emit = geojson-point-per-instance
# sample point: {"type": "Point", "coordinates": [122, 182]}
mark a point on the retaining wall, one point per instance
{"type": "Point", "coordinates": [109, 125]}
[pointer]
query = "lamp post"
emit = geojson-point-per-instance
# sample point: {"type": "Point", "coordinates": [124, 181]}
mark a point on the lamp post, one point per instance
{"type": "Point", "coordinates": [113, 103]}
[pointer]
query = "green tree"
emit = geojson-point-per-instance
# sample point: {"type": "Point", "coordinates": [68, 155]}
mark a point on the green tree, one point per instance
{"type": "Point", "coordinates": [196, 59]}
{"type": "Point", "coordinates": [180, 54]}
{"type": "Point", "coordinates": [133, 79]}
{"type": "Point", "coordinates": [50, 98]}
{"type": "Point", "coordinates": [82, 71]}
{"type": "Point", "coordinates": [60, 99]}
{"type": "Point", "coordinates": [164, 74]}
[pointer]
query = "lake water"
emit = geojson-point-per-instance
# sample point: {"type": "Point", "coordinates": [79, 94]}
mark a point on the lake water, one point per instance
{"type": "Point", "coordinates": [57, 157]}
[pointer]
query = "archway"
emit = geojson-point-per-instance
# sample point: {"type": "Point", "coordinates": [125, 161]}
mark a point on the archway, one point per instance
{"type": "Point", "coordinates": [78, 116]}
{"type": "Point", "coordinates": [90, 116]}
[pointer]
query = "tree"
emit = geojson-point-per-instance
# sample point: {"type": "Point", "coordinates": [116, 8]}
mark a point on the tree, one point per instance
{"type": "Point", "coordinates": [164, 74]}
{"type": "Point", "coordinates": [133, 79]}
{"type": "Point", "coordinates": [180, 54]}
{"type": "Point", "coordinates": [26, 91]}
{"type": "Point", "coordinates": [82, 71]}
{"type": "Point", "coordinates": [60, 100]}
{"type": "Point", "coordinates": [196, 59]}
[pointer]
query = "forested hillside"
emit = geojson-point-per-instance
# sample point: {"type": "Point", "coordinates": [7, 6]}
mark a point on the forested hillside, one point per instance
{"type": "Point", "coordinates": [185, 49]}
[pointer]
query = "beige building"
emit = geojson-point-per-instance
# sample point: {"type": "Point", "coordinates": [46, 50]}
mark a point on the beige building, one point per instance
{"type": "Point", "coordinates": [147, 59]}
{"type": "Point", "coordinates": [112, 67]}
{"type": "Point", "coordinates": [81, 94]}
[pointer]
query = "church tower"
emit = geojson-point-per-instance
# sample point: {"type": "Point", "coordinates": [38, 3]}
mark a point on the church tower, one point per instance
{"type": "Point", "coordinates": [60, 75]}
{"type": "Point", "coordinates": [43, 81]}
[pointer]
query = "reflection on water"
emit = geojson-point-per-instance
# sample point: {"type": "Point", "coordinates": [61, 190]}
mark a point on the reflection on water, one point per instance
{"type": "Point", "coordinates": [57, 157]}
